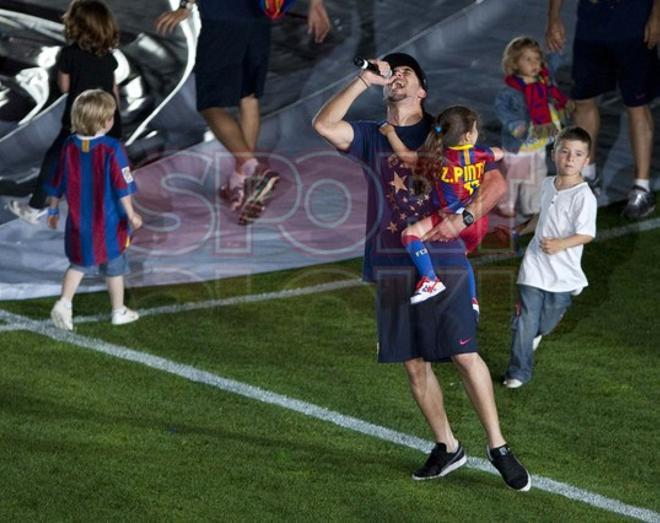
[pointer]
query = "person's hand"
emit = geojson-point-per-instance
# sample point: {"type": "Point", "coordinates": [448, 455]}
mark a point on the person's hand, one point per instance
{"type": "Point", "coordinates": [384, 78]}
{"type": "Point", "coordinates": [135, 220]}
{"type": "Point", "coordinates": [53, 221]}
{"type": "Point", "coordinates": [318, 23]}
{"type": "Point", "coordinates": [386, 129]}
{"type": "Point", "coordinates": [519, 131]}
{"type": "Point", "coordinates": [555, 35]}
{"type": "Point", "coordinates": [552, 245]}
{"type": "Point", "coordinates": [448, 229]}
{"type": "Point", "coordinates": [652, 29]}
{"type": "Point", "coordinates": [544, 131]}
{"type": "Point", "coordinates": [569, 108]}
{"type": "Point", "coordinates": [166, 22]}
{"type": "Point", "coordinates": [498, 153]}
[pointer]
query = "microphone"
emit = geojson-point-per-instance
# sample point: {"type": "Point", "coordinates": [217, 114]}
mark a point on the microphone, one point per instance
{"type": "Point", "coordinates": [366, 65]}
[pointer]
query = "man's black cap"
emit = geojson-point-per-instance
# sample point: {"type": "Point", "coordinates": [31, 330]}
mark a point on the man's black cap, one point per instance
{"type": "Point", "coordinates": [399, 59]}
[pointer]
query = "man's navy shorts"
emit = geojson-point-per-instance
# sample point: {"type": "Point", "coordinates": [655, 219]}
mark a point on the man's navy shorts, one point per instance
{"type": "Point", "coordinates": [598, 67]}
{"type": "Point", "coordinates": [232, 61]}
{"type": "Point", "coordinates": [436, 329]}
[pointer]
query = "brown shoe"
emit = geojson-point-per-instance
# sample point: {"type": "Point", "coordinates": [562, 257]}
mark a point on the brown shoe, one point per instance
{"type": "Point", "coordinates": [259, 187]}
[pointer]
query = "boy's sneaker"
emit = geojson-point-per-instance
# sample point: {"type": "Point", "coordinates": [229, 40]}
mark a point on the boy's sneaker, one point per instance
{"type": "Point", "coordinates": [440, 463]}
{"type": "Point", "coordinates": [640, 204]}
{"type": "Point", "coordinates": [62, 316]}
{"type": "Point", "coordinates": [259, 189]}
{"type": "Point", "coordinates": [426, 288]}
{"type": "Point", "coordinates": [536, 342]}
{"type": "Point", "coordinates": [513, 473]}
{"type": "Point", "coordinates": [512, 383]}
{"type": "Point", "coordinates": [25, 212]}
{"type": "Point", "coordinates": [124, 316]}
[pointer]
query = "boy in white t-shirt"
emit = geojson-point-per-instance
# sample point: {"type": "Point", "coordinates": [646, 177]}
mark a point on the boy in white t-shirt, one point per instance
{"type": "Point", "coordinates": [550, 272]}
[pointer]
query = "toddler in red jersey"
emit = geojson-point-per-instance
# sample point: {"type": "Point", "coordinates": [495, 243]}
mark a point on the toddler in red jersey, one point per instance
{"type": "Point", "coordinates": [94, 176]}
{"type": "Point", "coordinates": [455, 166]}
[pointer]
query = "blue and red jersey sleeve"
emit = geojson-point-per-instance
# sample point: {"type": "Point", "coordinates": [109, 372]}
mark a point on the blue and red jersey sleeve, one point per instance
{"type": "Point", "coordinates": [121, 177]}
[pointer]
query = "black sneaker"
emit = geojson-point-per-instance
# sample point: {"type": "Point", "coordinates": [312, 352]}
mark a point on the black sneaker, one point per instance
{"type": "Point", "coordinates": [512, 471]}
{"type": "Point", "coordinates": [640, 204]}
{"type": "Point", "coordinates": [440, 463]}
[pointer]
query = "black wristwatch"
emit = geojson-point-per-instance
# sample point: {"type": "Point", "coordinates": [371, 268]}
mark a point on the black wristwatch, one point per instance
{"type": "Point", "coordinates": [468, 218]}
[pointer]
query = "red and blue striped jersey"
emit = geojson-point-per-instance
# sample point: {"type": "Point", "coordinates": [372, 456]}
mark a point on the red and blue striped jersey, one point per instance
{"type": "Point", "coordinates": [458, 182]}
{"type": "Point", "coordinates": [93, 174]}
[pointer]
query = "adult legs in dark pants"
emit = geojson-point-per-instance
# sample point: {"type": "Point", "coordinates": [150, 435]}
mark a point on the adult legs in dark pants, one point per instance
{"type": "Point", "coordinates": [442, 329]}
{"type": "Point", "coordinates": [538, 313]}
{"type": "Point", "coordinates": [230, 71]}
{"type": "Point", "coordinates": [35, 207]}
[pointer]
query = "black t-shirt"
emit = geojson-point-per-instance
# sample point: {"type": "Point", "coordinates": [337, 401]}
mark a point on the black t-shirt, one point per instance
{"type": "Point", "coordinates": [87, 71]}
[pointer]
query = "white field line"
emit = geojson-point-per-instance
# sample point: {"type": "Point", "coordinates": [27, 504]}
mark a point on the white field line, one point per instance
{"type": "Point", "coordinates": [608, 234]}
{"type": "Point", "coordinates": [314, 411]}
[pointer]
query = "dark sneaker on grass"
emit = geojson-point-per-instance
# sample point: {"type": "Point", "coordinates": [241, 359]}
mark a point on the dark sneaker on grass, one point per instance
{"type": "Point", "coordinates": [440, 463]}
{"type": "Point", "coordinates": [512, 471]}
{"type": "Point", "coordinates": [640, 204]}
{"type": "Point", "coordinates": [259, 189]}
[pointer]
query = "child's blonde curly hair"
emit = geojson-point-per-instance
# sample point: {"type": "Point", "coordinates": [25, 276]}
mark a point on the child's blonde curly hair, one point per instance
{"type": "Point", "coordinates": [514, 50]}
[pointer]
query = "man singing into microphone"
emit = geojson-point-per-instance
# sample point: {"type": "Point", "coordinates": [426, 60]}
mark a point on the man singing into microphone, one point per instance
{"type": "Point", "coordinates": [440, 329]}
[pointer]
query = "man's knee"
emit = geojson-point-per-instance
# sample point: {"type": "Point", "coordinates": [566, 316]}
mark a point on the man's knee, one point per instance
{"type": "Point", "coordinates": [640, 113]}
{"type": "Point", "coordinates": [466, 363]}
{"type": "Point", "coordinates": [417, 370]}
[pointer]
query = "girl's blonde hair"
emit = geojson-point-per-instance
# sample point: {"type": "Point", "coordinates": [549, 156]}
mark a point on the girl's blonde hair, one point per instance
{"type": "Point", "coordinates": [91, 25]}
{"type": "Point", "coordinates": [447, 130]}
{"type": "Point", "coordinates": [91, 111]}
{"type": "Point", "coordinates": [514, 50]}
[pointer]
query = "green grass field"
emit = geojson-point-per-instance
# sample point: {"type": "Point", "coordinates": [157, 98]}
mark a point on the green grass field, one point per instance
{"type": "Point", "coordinates": [86, 436]}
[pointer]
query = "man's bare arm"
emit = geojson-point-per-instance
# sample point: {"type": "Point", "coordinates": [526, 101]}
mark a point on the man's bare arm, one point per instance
{"type": "Point", "coordinates": [329, 121]}
{"type": "Point", "coordinates": [555, 32]}
{"type": "Point", "coordinates": [493, 187]}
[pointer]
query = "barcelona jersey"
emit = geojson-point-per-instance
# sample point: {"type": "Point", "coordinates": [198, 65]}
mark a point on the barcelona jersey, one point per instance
{"type": "Point", "coordinates": [93, 174]}
{"type": "Point", "coordinates": [458, 181]}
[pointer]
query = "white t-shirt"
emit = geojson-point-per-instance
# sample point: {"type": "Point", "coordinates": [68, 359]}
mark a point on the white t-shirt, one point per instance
{"type": "Point", "coordinates": [563, 214]}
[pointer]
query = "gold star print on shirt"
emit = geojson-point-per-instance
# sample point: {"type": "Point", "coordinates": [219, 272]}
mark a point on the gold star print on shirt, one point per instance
{"type": "Point", "coordinates": [406, 193]}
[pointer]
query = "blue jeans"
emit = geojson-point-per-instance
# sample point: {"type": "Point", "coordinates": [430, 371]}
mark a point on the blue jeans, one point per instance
{"type": "Point", "coordinates": [116, 267]}
{"type": "Point", "coordinates": [538, 312]}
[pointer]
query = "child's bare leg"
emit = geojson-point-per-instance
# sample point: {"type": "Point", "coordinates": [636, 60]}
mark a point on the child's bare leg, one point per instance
{"type": "Point", "coordinates": [72, 279]}
{"type": "Point", "coordinates": [116, 291]}
{"type": "Point", "coordinates": [121, 314]}
{"type": "Point", "coordinates": [62, 311]}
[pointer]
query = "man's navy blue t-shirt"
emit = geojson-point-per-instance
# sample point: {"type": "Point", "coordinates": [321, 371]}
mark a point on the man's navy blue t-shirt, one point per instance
{"type": "Point", "coordinates": [394, 196]}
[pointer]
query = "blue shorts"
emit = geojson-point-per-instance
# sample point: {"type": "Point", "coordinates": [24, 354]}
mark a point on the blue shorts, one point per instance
{"type": "Point", "coordinates": [434, 330]}
{"type": "Point", "coordinates": [115, 267]}
{"type": "Point", "coordinates": [598, 67]}
{"type": "Point", "coordinates": [232, 61]}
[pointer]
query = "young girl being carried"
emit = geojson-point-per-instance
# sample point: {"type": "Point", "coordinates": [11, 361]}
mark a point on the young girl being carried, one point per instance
{"type": "Point", "coordinates": [86, 62]}
{"type": "Point", "coordinates": [455, 166]}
